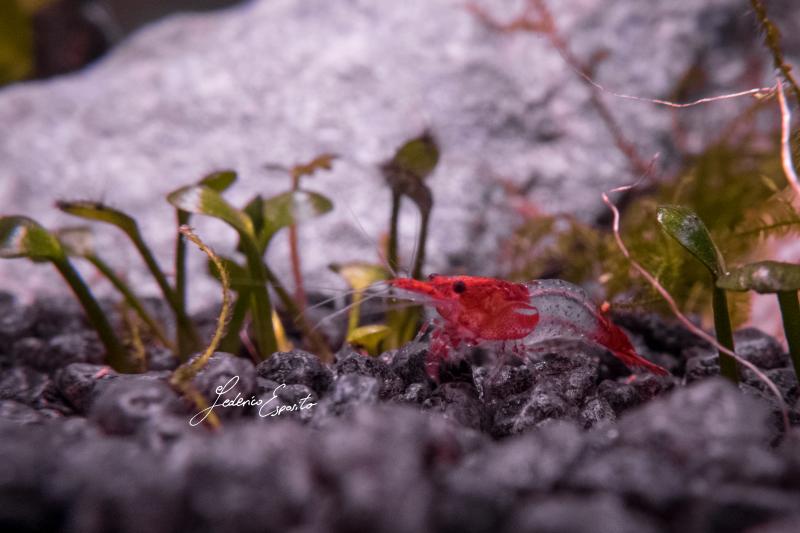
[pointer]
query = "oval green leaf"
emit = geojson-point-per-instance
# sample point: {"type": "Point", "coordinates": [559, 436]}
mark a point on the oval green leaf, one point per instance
{"type": "Point", "coordinates": [24, 237]}
{"type": "Point", "coordinates": [412, 163]}
{"type": "Point", "coordinates": [764, 277]}
{"type": "Point", "coordinates": [683, 225]}
{"type": "Point", "coordinates": [369, 337]}
{"type": "Point", "coordinates": [292, 207]}
{"type": "Point", "coordinates": [101, 213]}
{"type": "Point", "coordinates": [417, 157]}
{"type": "Point", "coordinates": [220, 181]}
{"type": "Point", "coordinates": [203, 200]}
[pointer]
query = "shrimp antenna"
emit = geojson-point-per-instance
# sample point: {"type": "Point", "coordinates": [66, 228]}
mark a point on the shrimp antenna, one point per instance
{"type": "Point", "coordinates": [326, 301]}
{"type": "Point", "coordinates": [346, 308]}
{"type": "Point", "coordinates": [383, 258]}
{"type": "Point", "coordinates": [417, 224]}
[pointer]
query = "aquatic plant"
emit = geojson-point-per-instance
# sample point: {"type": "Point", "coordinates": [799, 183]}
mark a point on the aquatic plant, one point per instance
{"type": "Point", "coordinates": [683, 225]}
{"type": "Point", "coordinates": [23, 237]}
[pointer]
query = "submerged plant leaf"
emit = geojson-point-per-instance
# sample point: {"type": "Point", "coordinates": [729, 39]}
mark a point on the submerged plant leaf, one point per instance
{"type": "Point", "coordinates": [240, 278]}
{"type": "Point", "coordinates": [292, 207]}
{"type": "Point", "coordinates": [203, 200]}
{"type": "Point", "coordinates": [369, 337]}
{"type": "Point", "coordinates": [255, 210]}
{"type": "Point", "coordinates": [220, 181]}
{"type": "Point", "coordinates": [764, 277]}
{"type": "Point", "coordinates": [683, 225]}
{"type": "Point", "coordinates": [406, 171]}
{"type": "Point", "coordinates": [360, 276]}
{"type": "Point", "coordinates": [101, 213]}
{"type": "Point", "coordinates": [24, 237]}
{"type": "Point", "coordinates": [417, 157]}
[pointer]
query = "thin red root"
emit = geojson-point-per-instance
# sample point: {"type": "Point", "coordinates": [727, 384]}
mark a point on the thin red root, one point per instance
{"type": "Point", "coordinates": [786, 147]}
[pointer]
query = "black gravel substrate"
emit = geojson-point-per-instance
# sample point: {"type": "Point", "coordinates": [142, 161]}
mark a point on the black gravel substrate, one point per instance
{"type": "Point", "coordinates": [562, 442]}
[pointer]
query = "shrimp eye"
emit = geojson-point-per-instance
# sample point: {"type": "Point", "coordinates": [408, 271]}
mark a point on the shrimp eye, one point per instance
{"type": "Point", "coordinates": [459, 287]}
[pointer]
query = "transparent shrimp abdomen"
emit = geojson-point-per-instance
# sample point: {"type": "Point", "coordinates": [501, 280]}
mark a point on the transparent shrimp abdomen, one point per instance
{"type": "Point", "coordinates": [566, 311]}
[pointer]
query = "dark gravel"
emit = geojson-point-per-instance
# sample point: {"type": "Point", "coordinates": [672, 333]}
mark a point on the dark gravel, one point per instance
{"type": "Point", "coordinates": [564, 440]}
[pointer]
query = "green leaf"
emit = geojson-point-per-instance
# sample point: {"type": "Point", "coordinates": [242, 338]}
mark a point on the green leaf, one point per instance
{"type": "Point", "coordinates": [292, 207]}
{"type": "Point", "coordinates": [24, 237]}
{"type": "Point", "coordinates": [411, 164]}
{"type": "Point", "coordinates": [203, 200]}
{"type": "Point", "coordinates": [255, 210]}
{"type": "Point", "coordinates": [764, 277]}
{"type": "Point", "coordinates": [417, 157]}
{"type": "Point", "coordinates": [239, 276]}
{"type": "Point", "coordinates": [369, 337]}
{"type": "Point", "coordinates": [219, 181]}
{"type": "Point", "coordinates": [101, 213]}
{"type": "Point", "coordinates": [683, 225]}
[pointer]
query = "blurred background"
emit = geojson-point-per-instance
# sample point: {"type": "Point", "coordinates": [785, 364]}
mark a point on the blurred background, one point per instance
{"type": "Point", "coordinates": [43, 38]}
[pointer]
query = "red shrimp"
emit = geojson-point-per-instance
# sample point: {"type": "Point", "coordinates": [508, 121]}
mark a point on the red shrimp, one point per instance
{"type": "Point", "coordinates": [474, 310]}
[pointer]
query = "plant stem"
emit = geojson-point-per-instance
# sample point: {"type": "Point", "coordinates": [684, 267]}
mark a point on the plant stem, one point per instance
{"type": "Point", "coordinates": [130, 298]}
{"type": "Point", "coordinates": [182, 218]}
{"type": "Point", "coordinates": [316, 341]}
{"type": "Point", "coordinates": [419, 262]}
{"type": "Point", "coordinates": [186, 331]}
{"type": "Point", "coordinates": [790, 312]}
{"type": "Point", "coordinates": [294, 252]}
{"type": "Point", "coordinates": [116, 355]}
{"type": "Point", "coordinates": [261, 307]}
{"type": "Point", "coordinates": [393, 223]}
{"type": "Point", "coordinates": [231, 343]}
{"type": "Point", "coordinates": [297, 273]}
{"type": "Point", "coordinates": [722, 329]}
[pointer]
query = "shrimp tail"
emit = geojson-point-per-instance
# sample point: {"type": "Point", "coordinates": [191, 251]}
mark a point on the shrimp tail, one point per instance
{"type": "Point", "coordinates": [632, 359]}
{"type": "Point", "coordinates": [620, 345]}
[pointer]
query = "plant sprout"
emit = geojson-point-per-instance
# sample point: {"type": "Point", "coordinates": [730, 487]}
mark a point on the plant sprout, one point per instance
{"type": "Point", "coordinates": [360, 277]}
{"type": "Point", "coordinates": [683, 225]}
{"type": "Point", "coordinates": [78, 242]}
{"type": "Point", "coordinates": [321, 162]}
{"type": "Point", "coordinates": [405, 174]}
{"type": "Point", "coordinates": [219, 181]}
{"type": "Point", "coordinates": [103, 213]}
{"type": "Point", "coordinates": [201, 199]}
{"type": "Point", "coordinates": [24, 237]}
